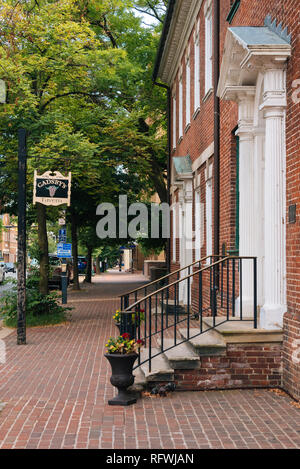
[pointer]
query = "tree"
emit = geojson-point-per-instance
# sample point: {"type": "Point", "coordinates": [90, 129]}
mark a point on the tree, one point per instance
{"type": "Point", "coordinates": [78, 74]}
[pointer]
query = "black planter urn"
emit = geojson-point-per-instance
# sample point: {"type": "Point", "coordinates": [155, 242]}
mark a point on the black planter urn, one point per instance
{"type": "Point", "coordinates": [129, 328]}
{"type": "Point", "coordinates": [122, 377]}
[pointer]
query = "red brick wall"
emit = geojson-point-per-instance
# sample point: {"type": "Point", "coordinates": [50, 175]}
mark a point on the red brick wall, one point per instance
{"type": "Point", "coordinates": [242, 366]}
{"type": "Point", "coordinates": [200, 136]}
{"type": "Point", "coordinates": [291, 354]}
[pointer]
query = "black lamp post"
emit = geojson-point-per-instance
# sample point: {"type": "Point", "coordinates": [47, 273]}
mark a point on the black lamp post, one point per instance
{"type": "Point", "coordinates": [21, 303]}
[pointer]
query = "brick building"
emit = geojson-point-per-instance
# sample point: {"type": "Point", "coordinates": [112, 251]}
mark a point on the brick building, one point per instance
{"type": "Point", "coordinates": [234, 179]}
{"type": "Point", "coordinates": [8, 239]}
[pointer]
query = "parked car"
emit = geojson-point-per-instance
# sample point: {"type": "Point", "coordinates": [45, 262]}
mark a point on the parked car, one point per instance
{"type": "Point", "coordinates": [10, 267]}
{"type": "Point", "coordinates": [55, 271]}
{"type": "Point", "coordinates": [82, 263]}
{"type": "Point", "coordinates": [2, 274]}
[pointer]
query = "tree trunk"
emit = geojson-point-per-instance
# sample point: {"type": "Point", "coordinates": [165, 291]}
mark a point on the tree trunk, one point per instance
{"type": "Point", "coordinates": [43, 248]}
{"type": "Point", "coordinates": [88, 274]}
{"type": "Point", "coordinates": [98, 265]}
{"type": "Point", "coordinates": [74, 252]}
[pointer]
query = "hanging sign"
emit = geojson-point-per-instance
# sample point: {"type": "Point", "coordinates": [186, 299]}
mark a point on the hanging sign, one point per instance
{"type": "Point", "coordinates": [52, 188]}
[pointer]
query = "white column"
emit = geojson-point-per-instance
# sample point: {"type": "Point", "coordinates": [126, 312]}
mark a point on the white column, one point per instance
{"type": "Point", "coordinates": [274, 227]}
{"type": "Point", "coordinates": [247, 222]}
{"type": "Point", "coordinates": [259, 139]}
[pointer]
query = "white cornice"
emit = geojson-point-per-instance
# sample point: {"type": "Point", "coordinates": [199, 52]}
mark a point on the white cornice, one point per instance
{"type": "Point", "coordinates": [183, 21]}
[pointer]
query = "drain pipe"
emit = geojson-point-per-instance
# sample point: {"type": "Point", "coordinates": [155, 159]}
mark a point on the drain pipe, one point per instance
{"type": "Point", "coordinates": [166, 87]}
{"type": "Point", "coordinates": [216, 39]}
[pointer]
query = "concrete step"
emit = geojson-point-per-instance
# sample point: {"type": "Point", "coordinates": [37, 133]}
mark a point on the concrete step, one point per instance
{"type": "Point", "coordinates": [206, 344]}
{"type": "Point", "coordinates": [139, 380]}
{"type": "Point", "coordinates": [160, 367]}
{"type": "Point", "coordinates": [236, 331]}
{"type": "Point", "coordinates": [182, 356]}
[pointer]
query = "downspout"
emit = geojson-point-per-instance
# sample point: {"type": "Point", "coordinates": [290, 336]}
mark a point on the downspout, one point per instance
{"type": "Point", "coordinates": [162, 85]}
{"type": "Point", "coordinates": [216, 166]}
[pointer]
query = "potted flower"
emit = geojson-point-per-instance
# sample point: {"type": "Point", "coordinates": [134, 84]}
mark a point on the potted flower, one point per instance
{"type": "Point", "coordinates": [136, 319]}
{"type": "Point", "coordinates": [121, 352]}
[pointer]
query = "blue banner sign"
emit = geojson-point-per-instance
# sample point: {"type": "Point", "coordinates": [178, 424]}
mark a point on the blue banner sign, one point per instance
{"type": "Point", "coordinates": [64, 250]}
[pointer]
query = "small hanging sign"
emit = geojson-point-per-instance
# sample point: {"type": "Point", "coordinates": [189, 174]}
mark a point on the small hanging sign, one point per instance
{"type": "Point", "coordinates": [52, 188]}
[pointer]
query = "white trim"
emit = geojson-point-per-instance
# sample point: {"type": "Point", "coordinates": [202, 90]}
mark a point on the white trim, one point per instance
{"type": "Point", "coordinates": [187, 92]}
{"type": "Point", "coordinates": [174, 121]}
{"type": "Point", "coordinates": [208, 211]}
{"type": "Point", "coordinates": [208, 49]}
{"type": "Point", "coordinates": [180, 111]}
{"type": "Point", "coordinates": [185, 16]}
{"type": "Point", "coordinates": [205, 155]}
{"type": "Point", "coordinates": [196, 74]}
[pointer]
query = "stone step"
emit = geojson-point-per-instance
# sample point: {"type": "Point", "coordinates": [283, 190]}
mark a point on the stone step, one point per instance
{"type": "Point", "coordinates": [160, 367]}
{"type": "Point", "coordinates": [206, 344]}
{"type": "Point", "coordinates": [236, 331]}
{"type": "Point", "coordinates": [139, 380]}
{"type": "Point", "coordinates": [181, 356]}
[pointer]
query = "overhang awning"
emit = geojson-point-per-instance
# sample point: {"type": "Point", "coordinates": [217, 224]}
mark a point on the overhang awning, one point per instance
{"type": "Point", "coordinates": [247, 49]}
{"type": "Point", "coordinates": [182, 165]}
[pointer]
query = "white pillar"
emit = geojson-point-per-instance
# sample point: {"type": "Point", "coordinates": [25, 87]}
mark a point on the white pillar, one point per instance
{"type": "Point", "coordinates": [259, 139]}
{"type": "Point", "coordinates": [247, 223]}
{"type": "Point", "coordinates": [274, 103]}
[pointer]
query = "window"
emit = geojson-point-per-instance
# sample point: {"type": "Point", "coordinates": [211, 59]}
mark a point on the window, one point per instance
{"type": "Point", "coordinates": [208, 199]}
{"type": "Point", "coordinates": [208, 49]}
{"type": "Point", "coordinates": [174, 119]}
{"type": "Point", "coordinates": [180, 116]}
{"type": "Point", "coordinates": [174, 231]}
{"type": "Point", "coordinates": [196, 70]}
{"type": "Point", "coordinates": [187, 92]}
{"type": "Point", "coordinates": [198, 226]}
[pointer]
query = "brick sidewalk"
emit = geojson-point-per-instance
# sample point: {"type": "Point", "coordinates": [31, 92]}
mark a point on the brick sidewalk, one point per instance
{"type": "Point", "coordinates": [57, 386]}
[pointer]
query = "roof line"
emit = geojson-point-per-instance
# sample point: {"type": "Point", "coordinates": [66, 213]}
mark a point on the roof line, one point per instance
{"type": "Point", "coordinates": [163, 38]}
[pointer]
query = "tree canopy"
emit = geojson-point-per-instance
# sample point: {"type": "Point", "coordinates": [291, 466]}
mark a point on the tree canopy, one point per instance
{"type": "Point", "coordinates": [78, 78]}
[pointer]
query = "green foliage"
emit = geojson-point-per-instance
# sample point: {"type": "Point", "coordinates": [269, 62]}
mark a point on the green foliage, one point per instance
{"type": "Point", "coordinates": [40, 310]}
{"type": "Point", "coordinates": [78, 76]}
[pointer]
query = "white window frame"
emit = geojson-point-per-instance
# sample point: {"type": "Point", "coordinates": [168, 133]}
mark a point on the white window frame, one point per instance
{"type": "Point", "coordinates": [198, 225]}
{"type": "Point", "coordinates": [208, 211]}
{"type": "Point", "coordinates": [208, 48]}
{"type": "Point", "coordinates": [174, 119]}
{"type": "Point", "coordinates": [180, 116]}
{"type": "Point", "coordinates": [187, 91]}
{"type": "Point", "coordinates": [174, 232]}
{"type": "Point", "coordinates": [196, 69]}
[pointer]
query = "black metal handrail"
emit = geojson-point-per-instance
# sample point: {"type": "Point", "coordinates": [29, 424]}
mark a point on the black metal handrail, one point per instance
{"type": "Point", "coordinates": [125, 297]}
{"type": "Point", "coordinates": [217, 294]}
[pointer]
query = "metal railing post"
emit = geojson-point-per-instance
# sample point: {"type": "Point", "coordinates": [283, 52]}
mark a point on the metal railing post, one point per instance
{"type": "Point", "coordinates": [255, 291]}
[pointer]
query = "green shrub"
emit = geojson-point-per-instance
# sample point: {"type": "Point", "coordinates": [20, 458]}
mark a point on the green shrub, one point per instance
{"type": "Point", "coordinates": [40, 309]}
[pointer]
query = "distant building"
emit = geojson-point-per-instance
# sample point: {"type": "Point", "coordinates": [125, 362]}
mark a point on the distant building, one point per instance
{"type": "Point", "coordinates": [8, 239]}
